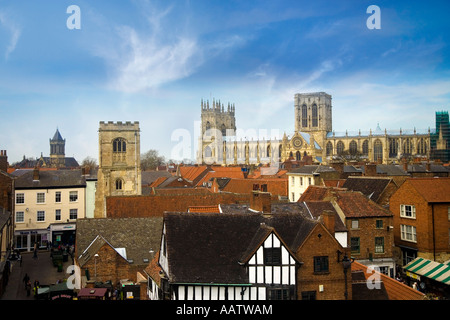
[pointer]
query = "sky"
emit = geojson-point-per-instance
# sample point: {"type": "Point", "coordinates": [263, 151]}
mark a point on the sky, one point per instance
{"type": "Point", "coordinates": [154, 62]}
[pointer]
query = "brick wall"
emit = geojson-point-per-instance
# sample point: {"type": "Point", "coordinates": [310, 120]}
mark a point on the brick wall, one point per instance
{"type": "Point", "coordinates": [367, 231]}
{"type": "Point", "coordinates": [333, 281]}
{"type": "Point", "coordinates": [6, 195]}
{"type": "Point", "coordinates": [434, 248]}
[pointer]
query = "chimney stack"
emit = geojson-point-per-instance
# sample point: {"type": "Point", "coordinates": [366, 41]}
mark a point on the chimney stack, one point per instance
{"type": "Point", "coordinates": [370, 169]}
{"type": "Point", "coordinates": [35, 174]}
{"type": "Point", "coordinates": [261, 202]}
{"type": "Point", "coordinates": [327, 219]}
{"type": "Point", "coordinates": [3, 161]}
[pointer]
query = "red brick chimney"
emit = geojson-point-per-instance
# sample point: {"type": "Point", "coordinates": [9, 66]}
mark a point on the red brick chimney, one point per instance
{"type": "Point", "coordinates": [327, 218]}
{"type": "Point", "coordinates": [370, 169]}
{"type": "Point", "coordinates": [261, 202]}
{"type": "Point", "coordinates": [3, 161]}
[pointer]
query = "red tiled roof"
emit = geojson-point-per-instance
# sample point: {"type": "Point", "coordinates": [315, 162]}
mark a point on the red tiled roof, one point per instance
{"type": "Point", "coordinates": [395, 289]}
{"type": "Point", "coordinates": [338, 183]}
{"type": "Point", "coordinates": [191, 172]}
{"type": "Point", "coordinates": [432, 189]}
{"type": "Point", "coordinates": [222, 172]}
{"type": "Point", "coordinates": [355, 204]}
{"type": "Point", "coordinates": [157, 182]}
{"type": "Point", "coordinates": [274, 186]}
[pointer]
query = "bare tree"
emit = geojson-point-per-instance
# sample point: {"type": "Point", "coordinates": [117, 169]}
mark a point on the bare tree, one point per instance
{"type": "Point", "coordinates": [151, 159]}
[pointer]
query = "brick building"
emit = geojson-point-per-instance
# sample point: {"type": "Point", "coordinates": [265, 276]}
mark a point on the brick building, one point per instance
{"type": "Point", "coordinates": [369, 225]}
{"type": "Point", "coordinates": [421, 208]}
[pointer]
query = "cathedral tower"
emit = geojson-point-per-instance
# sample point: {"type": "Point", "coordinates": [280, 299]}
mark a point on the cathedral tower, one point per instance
{"type": "Point", "coordinates": [217, 123]}
{"type": "Point", "coordinates": [119, 170]}
{"type": "Point", "coordinates": [313, 115]}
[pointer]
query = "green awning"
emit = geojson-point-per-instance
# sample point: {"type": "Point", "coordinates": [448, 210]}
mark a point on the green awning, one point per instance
{"type": "Point", "coordinates": [430, 269]}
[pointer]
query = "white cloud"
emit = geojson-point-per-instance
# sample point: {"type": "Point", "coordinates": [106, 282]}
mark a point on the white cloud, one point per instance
{"type": "Point", "coordinates": [14, 31]}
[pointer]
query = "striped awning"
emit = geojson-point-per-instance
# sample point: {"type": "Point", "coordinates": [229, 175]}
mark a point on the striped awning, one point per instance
{"type": "Point", "coordinates": [429, 269]}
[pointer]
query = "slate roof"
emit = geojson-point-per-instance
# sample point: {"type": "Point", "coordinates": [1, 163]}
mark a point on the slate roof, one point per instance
{"type": "Point", "coordinates": [209, 247]}
{"type": "Point", "coordinates": [311, 169]}
{"type": "Point", "coordinates": [50, 179]}
{"type": "Point", "coordinates": [316, 208]}
{"type": "Point", "coordinates": [136, 235]}
{"type": "Point", "coordinates": [390, 170]}
{"type": "Point", "coordinates": [147, 177]}
{"type": "Point", "coordinates": [371, 187]}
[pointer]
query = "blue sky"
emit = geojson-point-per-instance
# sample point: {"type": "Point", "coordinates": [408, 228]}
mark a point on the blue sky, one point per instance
{"type": "Point", "coordinates": [154, 61]}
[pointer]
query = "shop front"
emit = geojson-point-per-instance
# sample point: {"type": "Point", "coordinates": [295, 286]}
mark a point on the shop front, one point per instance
{"type": "Point", "coordinates": [63, 233]}
{"type": "Point", "coordinates": [25, 239]}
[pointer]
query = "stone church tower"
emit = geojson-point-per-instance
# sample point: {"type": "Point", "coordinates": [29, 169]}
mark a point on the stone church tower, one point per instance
{"type": "Point", "coordinates": [57, 150]}
{"type": "Point", "coordinates": [217, 123]}
{"type": "Point", "coordinates": [119, 170]}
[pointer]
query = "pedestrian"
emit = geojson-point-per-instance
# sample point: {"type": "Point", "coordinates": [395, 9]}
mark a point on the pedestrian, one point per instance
{"type": "Point", "coordinates": [35, 251]}
{"type": "Point", "coordinates": [26, 279]}
{"type": "Point", "coordinates": [28, 287]}
{"type": "Point", "coordinates": [20, 259]}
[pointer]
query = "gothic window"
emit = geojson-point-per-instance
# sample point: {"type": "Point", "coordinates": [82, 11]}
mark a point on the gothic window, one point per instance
{"type": "Point", "coordinates": [329, 148]}
{"type": "Point", "coordinates": [340, 147]}
{"type": "Point", "coordinates": [353, 147]}
{"type": "Point", "coordinates": [298, 156]}
{"type": "Point", "coordinates": [208, 152]}
{"type": "Point", "coordinates": [279, 150]}
{"type": "Point", "coordinates": [422, 147]}
{"type": "Point", "coordinates": [207, 127]}
{"type": "Point", "coordinates": [365, 147]}
{"type": "Point", "coordinates": [268, 151]}
{"type": "Point", "coordinates": [393, 148]}
{"type": "Point", "coordinates": [224, 130]}
{"type": "Point", "coordinates": [119, 145]}
{"type": "Point", "coordinates": [407, 146]}
{"type": "Point", "coordinates": [315, 119]}
{"type": "Point", "coordinates": [304, 116]}
{"type": "Point", "coordinates": [291, 155]}
{"type": "Point", "coordinates": [378, 150]}
{"type": "Point", "coordinates": [119, 184]}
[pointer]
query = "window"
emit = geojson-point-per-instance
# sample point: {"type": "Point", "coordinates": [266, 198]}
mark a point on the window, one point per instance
{"type": "Point", "coordinates": [57, 214]}
{"type": "Point", "coordinates": [379, 224]}
{"type": "Point", "coordinates": [365, 147]}
{"type": "Point", "coordinates": [354, 244]}
{"type": "Point", "coordinates": [340, 148]}
{"type": "Point", "coordinates": [73, 196]}
{"type": "Point", "coordinates": [329, 148]}
{"type": "Point", "coordinates": [378, 150]}
{"type": "Point", "coordinates": [280, 294]}
{"type": "Point", "coordinates": [20, 216]}
{"type": "Point", "coordinates": [301, 183]}
{"type": "Point", "coordinates": [353, 147]}
{"type": "Point", "coordinates": [379, 244]}
{"type": "Point", "coordinates": [293, 196]}
{"type": "Point", "coordinates": [292, 181]}
{"type": "Point", "coordinates": [309, 181]}
{"type": "Point", "coordinates": [304, 116]}
{"type": "Point", "coordinates": [20, 198]}
{"type": "Point", "coordinates": [408, 233]}
{"type": "Point", "coordinates": [321, 264]}
{"type": "Point", "coordinates": [119, 184]}
{"type": "Point", "coordinates": [58, 196]}
{"type": "Point", "coordinates": [40, 216]}
{"type": "Point", "coordinates": [355, 224]}
{"type": "Point", "coordinates": [119, 145]}
{"type": "Point", "coordinates": [272, 256]}
{"type": "Point", "coordinates": [73, 214]}
{"type": "Point", "coordinates": [407, 211]}
{"type": "Point", "coordinates": [315, 120]}
{"type": "Point", "coordinates": [40, 197]}
{"type": "Point", "coordinates": [308, 295]}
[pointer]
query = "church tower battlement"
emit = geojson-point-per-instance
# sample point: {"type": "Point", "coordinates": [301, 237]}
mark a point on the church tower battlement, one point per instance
{"type": "Point", "coordinates": [119, 170]}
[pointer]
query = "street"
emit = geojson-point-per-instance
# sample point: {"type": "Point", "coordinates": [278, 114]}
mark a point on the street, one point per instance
{"type": "Point", "coordinates": [40, 269]}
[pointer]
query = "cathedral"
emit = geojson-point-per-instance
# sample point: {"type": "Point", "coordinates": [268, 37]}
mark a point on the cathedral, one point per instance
{"type": "Point", "coordinates": [314, 137]}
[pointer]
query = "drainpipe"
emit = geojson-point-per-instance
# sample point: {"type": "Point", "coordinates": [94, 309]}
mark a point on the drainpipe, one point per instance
{"type": "Point", "coordinates": [434, 238]}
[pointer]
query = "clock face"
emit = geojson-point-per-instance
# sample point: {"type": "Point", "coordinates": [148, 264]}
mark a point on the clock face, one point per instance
{"type": "Point", "coordinates": [297, 142]}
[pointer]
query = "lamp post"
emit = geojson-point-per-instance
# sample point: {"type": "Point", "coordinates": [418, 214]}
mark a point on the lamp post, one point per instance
{"type": "Point", "coordinates": [346, 264]}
